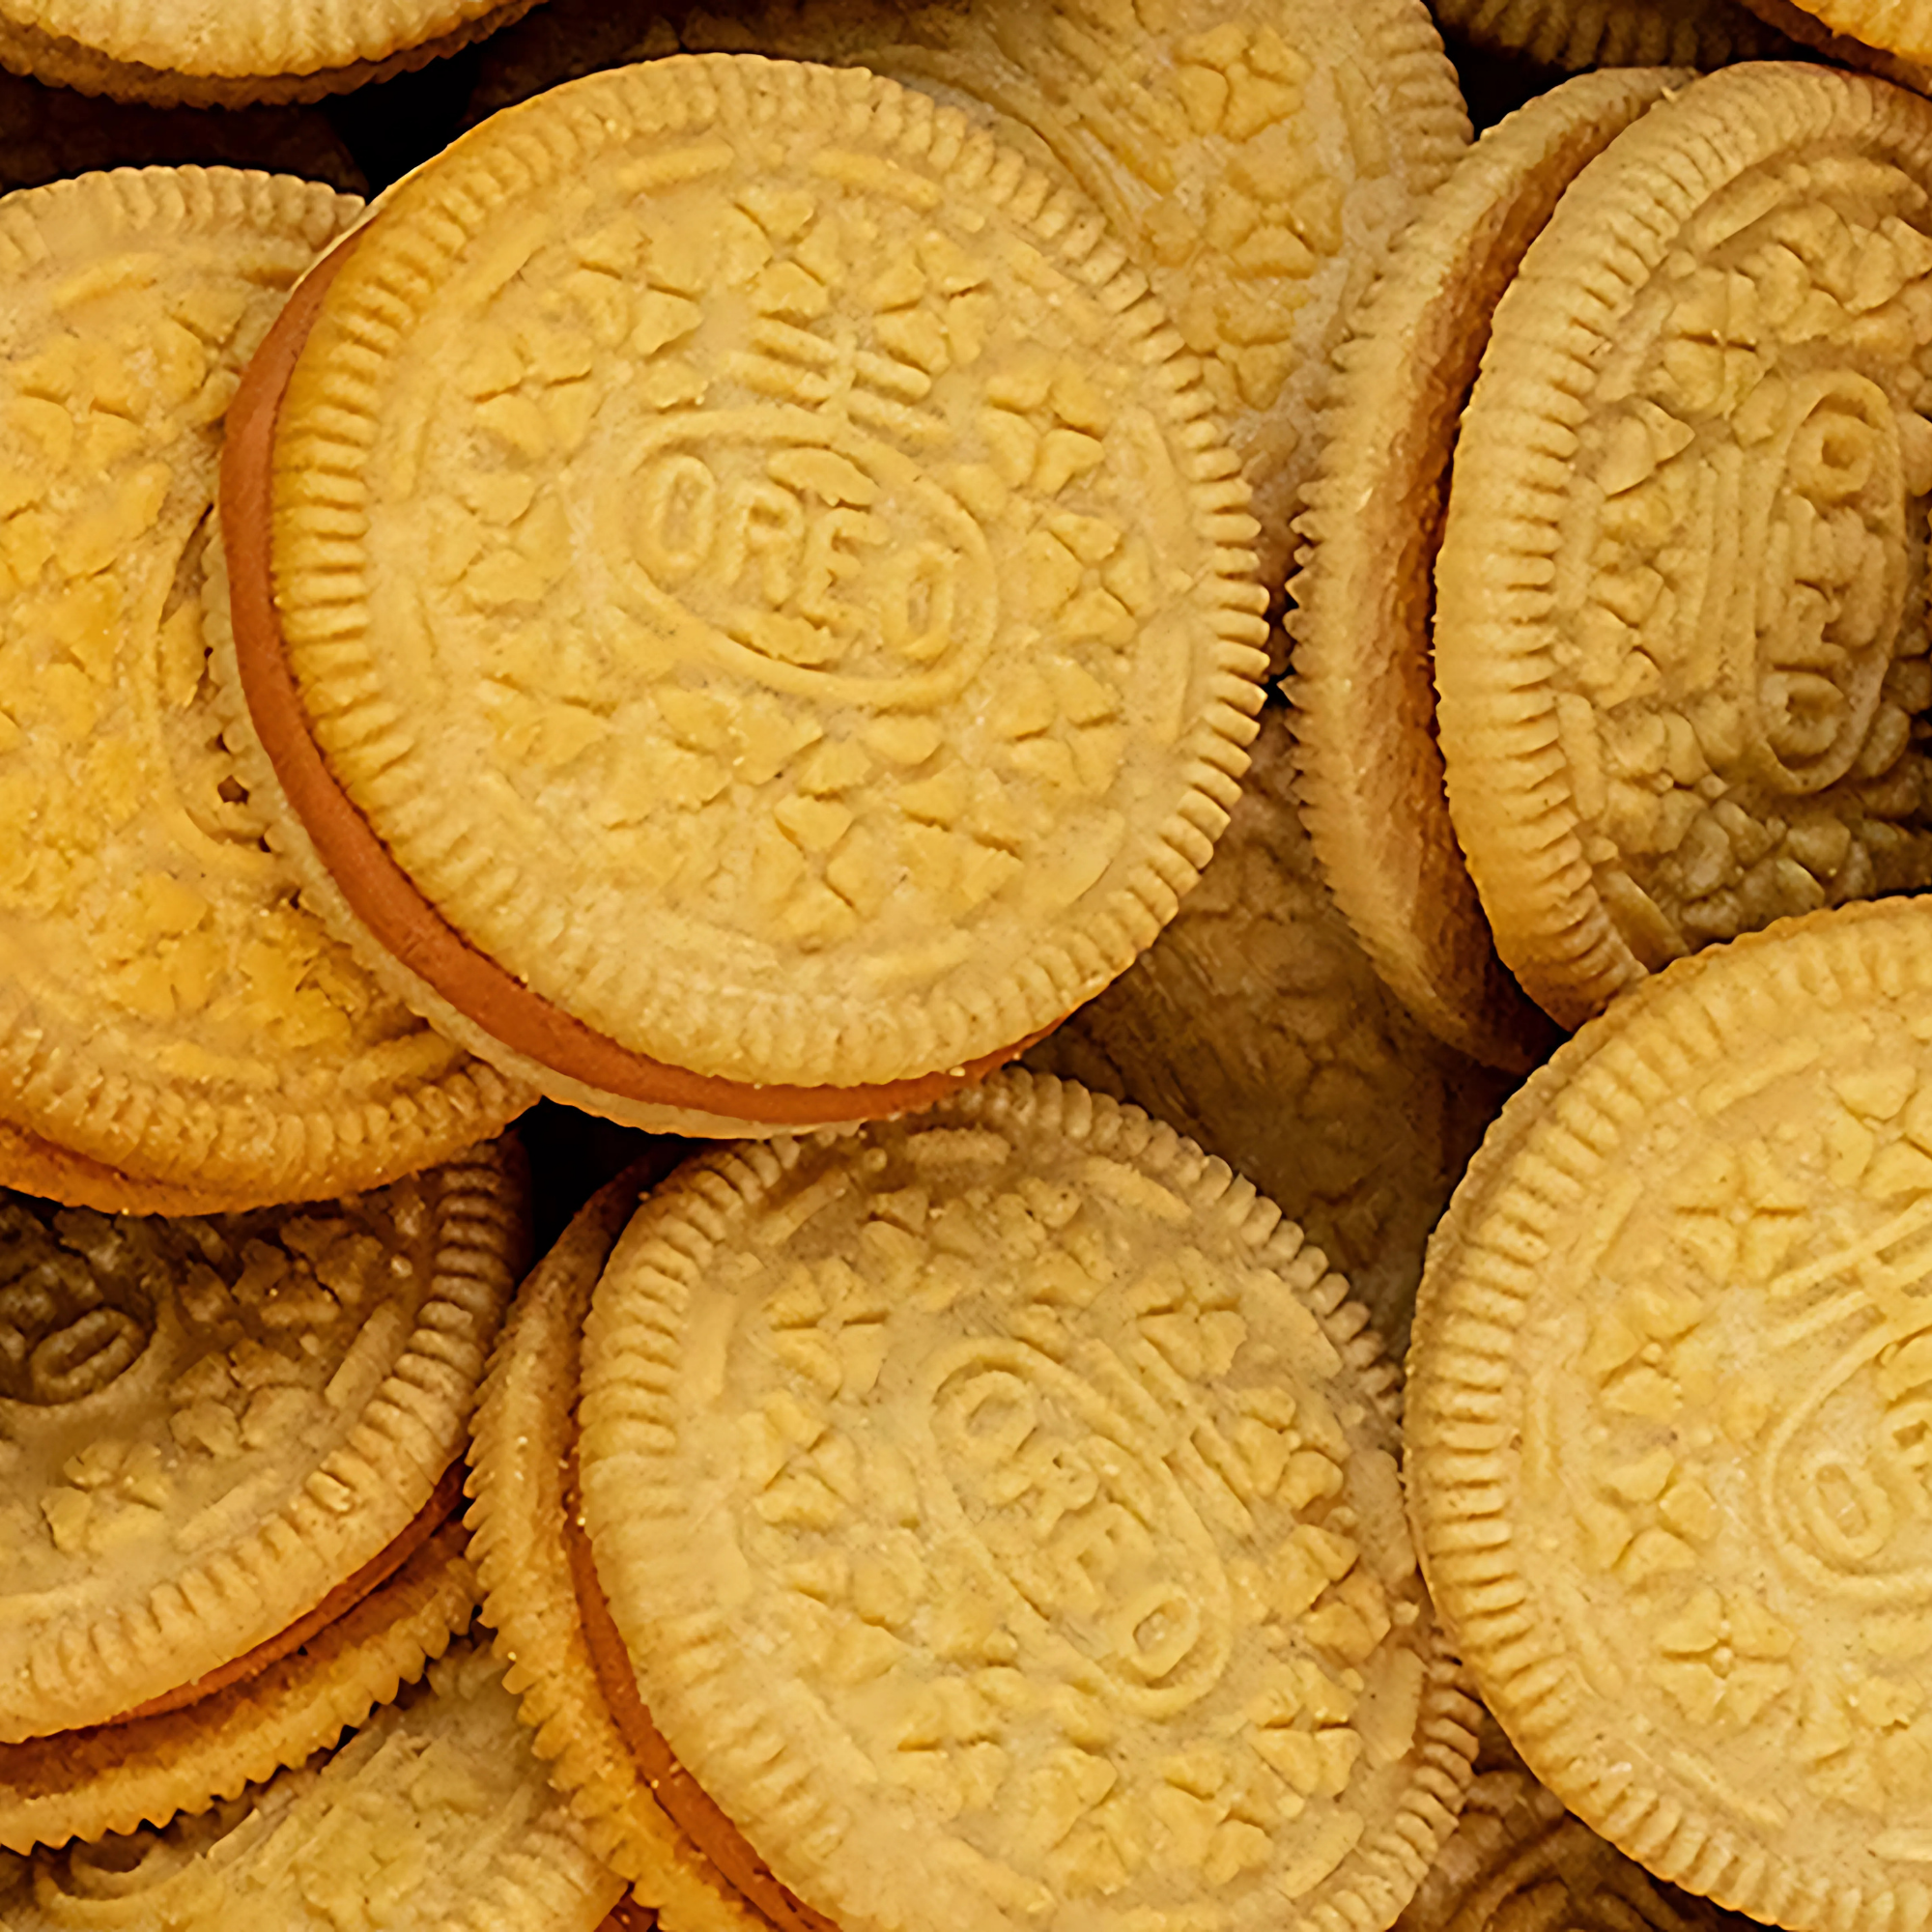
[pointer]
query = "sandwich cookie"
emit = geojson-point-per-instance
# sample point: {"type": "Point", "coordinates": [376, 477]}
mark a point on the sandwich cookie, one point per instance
{"type": "Point", "coordinates": [237, 52]}
{"type": "Point", "coordinates": [176, 1031]}
{"type": "Point", "coordinates": [433, 1817]}
{"type": "Point", "coordinates": [1665, 1401]}
{"type": "Point", "coordinates": [794, 525]}
{"type": "Point", "coordinates": [1256, 158]}
{"type": "Point", "coordinates": [1256, 1025]}
{"type": "Point", "coordinates": [1679, 636]}
{"type": "Point", "coordinates": [1364, 693]}
{"type": "Point", "coordinates": [983, 1515]}
{"type": "Point", "coordinates": [1898, 27]}
{"type": "Point", "coordinates": [1809, 31]}
{"type": "Point", "coordinates": [217, 1435]}
{"type": "Point", "coordinates": [1579, 34]}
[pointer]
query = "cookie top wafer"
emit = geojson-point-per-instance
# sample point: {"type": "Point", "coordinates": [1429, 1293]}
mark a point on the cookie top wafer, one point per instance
{"type": "Point", "coordinates": [1257, 156]}
{"type": "Point", "coordinates": [166, 1009]}
{"type": "Point", "coordinates": [117, 1778]}
{"type": "Point", "coordinates": [1364, 689]}
{"type": "Point", "coordinates": [209, 1426]}
{"type": "Point", "coordinates": [799, 521]}
{"type": "Point", "coordinates": [1256, 1025]}
{"type": "Point", "coordinates": [237, 51]}
{"type": "Point", "coordinates": [433, 1817]}
{"type": "Point", "coordinates": [998, 1508]}
{"type": "Point", "coordinates": [1665, 1407]}
{"type": "Point", "coordinates": [1680, 623]}
{"type": "Point", "coordinates": [1579, 34]}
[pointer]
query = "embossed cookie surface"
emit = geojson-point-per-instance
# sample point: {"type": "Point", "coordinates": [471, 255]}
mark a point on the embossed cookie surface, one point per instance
{"type": "Point", "coordinates": [1000, 1514]}
{"type": "Point", "coordinates": [1364, 692]}
{"type": "Point", "coordinates": [824, 560]}
{"type": "Point", "coordinates": [166, 1009]}
{"type": "Point", "coordinates": [434, 1816]}
{"type": "Point", "coordinates": [1257, 157]}
{"type": "Point", "coordinates": [1256, 1025]}
{"type": "Point", "coordinates": [206, 1426]}
{"type": "Point", "coordinates": [1665, 1409]}
{"type": "Point", "coordinates": [1679, 622]}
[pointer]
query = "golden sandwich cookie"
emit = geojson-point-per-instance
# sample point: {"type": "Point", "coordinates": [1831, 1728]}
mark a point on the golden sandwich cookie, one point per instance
{"type": "Point", "coordinates": [983, 1515]}
{"type": "Point", "coordinates": [176, 1031]}
{"type": "Point", "coordinates": [217, 1435]}
{"type": "Point", "coordinates": [237, 51]}
{"type": "Point", "coordinates": [433, 1816]}
{"type": "Point", "coordinates": [740, 608]}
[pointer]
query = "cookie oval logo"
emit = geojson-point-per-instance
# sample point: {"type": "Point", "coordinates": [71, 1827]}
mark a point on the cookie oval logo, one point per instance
{"type": "Point", "coordinates": [1096, 1536]}
{"type": "Point", "coordinates": [66, 1332]}
{"type": "Point", "coordinates": [832, 567]}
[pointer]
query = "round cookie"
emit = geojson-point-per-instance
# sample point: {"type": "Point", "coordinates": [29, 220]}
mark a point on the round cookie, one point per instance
{"type": "Point", "coordinates": [239, 51]}
{"type": "Point", "coordinates": [1256, 1025]}
{"type": "Point", "coordinates": [167, 1010]}
{"type": "Point", "coordinates": [1256, 158]}
{"type": "Point", "coordinates": [998, 1509]}
{"type": "Point", "coordinates": [433, 1817]}
{"type": "Point", "coordinates": [1664, 1405]}
{"type": "Point", "coordinates": [1579, 34]}
{"type": "Point", "coordinates": [1679, 600]}
{"type": "Point", "coordinates": [825, 566]}
{"type": "Point", "coordinates": [1516, 1851]}
{"type": "Point", "coordinates": [216, 1434]}
{"type": "Point", "coordinates": [1363, 690]}
{"type": "Point", "coordinates": [524, 1482]}
{"type": "Point", "coordinates": [116, 1778]}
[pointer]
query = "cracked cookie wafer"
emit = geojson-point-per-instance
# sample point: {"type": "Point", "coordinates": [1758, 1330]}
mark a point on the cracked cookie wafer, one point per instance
{"type": "Point", "coordinates": [1363, 690]}
{"type": "Point", "coordinates": [997, 1513]}
{"type": "Point", "coordinates": [168, 1012]}
{"type": "Point", "coordinates": [237, 51]}
{"type": "Point", "coordinates": [216, 1434]}
{"type": "Point", "coordinates": [1256, 1025]}
{"type": "Point", "coordinates": [1577, 33]}
{"type": "Point", "coordinates": [1257, 157]}
{"type": "Point", "coordinates": [1665, 1412]}
{"type": "Point", "coordinates": [795, 520]}
{"type": "Point", "coordinates": [433, 1816]}
{"type": "Point", "coordinates": [1680, 638]}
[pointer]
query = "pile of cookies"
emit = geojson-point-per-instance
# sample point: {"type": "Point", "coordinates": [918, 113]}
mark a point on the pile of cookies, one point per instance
{"type": "Point", "coordinates": [766, 858]}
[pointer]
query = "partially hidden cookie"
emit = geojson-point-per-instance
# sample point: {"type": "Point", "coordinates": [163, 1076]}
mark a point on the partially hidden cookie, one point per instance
{"type": "Point", "coordinates": [433, 1816]}
{"type": "Point", "coordinates": [1579, 34]}
{"type": "Point", "coordinates": [1899, 27]}
{"type": "Point", "coordinates": [1809, 31]}
{"type": "Point", "coordinates": [1256, 1025]}
{"type": "Point", "coordinates": [1516, 1852]}
{"type": "Point", "coordinates": [1363, 690]}
{"type": "Point", "coordinates": [1665, 1405]}
{"type": "Point", "coordinates": [238, 52]}
{"type": "Point", "coordinates": [1256, 158]}
{"type": "Point", "coordinates": [1680, 624]}
{"type": "Point", "coordinates": [797, 525]}
{"type": "Point", "coordinates": [168, 1011]}
{"type": "Point", "coordinates": [996, 1514]}
{"type": "Point", "coordinates": [145, 1771]}
{"type": "Point", "coordinates": [216, 1434]}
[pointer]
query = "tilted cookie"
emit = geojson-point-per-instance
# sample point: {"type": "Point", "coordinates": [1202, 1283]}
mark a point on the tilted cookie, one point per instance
{"type": "Point", "coordinates": [239, 51]}
{"type": "Point", "coordinates": [1516, 1852]}
{"type": "Point", "coordinates": [1667, 1420]}
{"type": "Point", "coordinates": [1256, 158]}
{"type": "Point", "coordinates": [996, 1509]}
{"type": "Point", "coordinates": [168, 1011]}
{"type": "Point", "coordinates": [1255, 1025]}
{"type": "Point", "coordinates": [1680, 641]}
{"type": "Point", "coordinates": [1577, 33]}
{"type": "Point", "coordinates": [1364, 691]}
{"type": "Point", "coordinates": [1809, 31]}
{"type": "Point", "coordinates": [216, 1434]}
{"type": "Point", "coordinates": [1900, 27]}
{"type": "Point", "coordinates": [433, 1817]}
{"type": "Point", "coordinates": [755, 625]}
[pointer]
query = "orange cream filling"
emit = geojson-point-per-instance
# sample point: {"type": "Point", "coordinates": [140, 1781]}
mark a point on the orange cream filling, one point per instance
{"type": "Point", "coordinates": [443, 1503]}
{"type": "Point", "coordinates": [379, 893]}
{"type": "Point", "coordinates": [680, 1794]}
